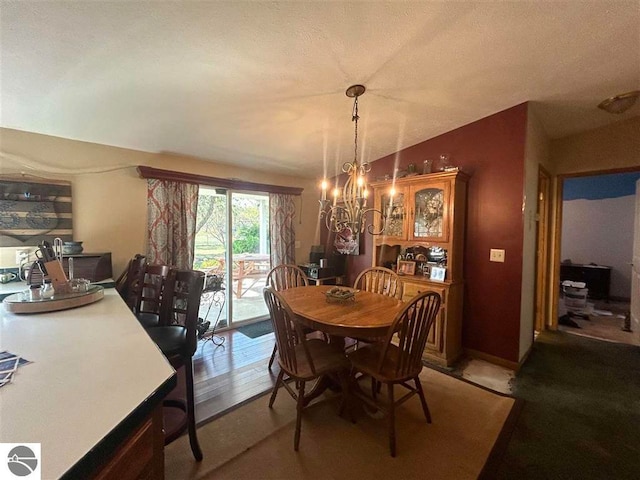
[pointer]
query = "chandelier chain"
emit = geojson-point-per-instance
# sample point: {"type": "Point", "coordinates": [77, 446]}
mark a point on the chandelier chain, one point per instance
{"type": "Point", "coordinates": [355, 118]}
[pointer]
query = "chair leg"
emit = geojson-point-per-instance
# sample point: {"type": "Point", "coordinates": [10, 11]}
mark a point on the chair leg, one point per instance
{"type": "Point", "coordinates": [299, 407]}
{"type": "Point", "coordinates": [425, 407]}
{"type": "Point", "coordinates": [273, 356]}
{"type": "Point", "coordinates": [191, 414]}
{"type": "Point", "coordinates": [275, 388]}
{"type": "Point", "coordinates": [392, 421]}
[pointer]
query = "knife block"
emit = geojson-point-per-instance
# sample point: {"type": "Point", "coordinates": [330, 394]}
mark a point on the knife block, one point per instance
{"type": "Point", "coordinates": [56, 274]}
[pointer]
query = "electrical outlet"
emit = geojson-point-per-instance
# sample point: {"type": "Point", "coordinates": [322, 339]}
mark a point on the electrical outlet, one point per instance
{"type": "Point", "coordinates": [496, 255]}
{"type": "Point", "coordinates": [22, 255]}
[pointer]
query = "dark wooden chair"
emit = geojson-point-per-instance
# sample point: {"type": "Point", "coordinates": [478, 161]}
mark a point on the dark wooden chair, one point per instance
{"type": "Point", "coordinates": [396, 362]}
{"type": "Point", "coordinates": [300, 358]}
{"type": "Point", "coordinates": [175, 335]}
{"type": "Point", "coordinates": [129, 283]}
{"type": "Point", "coordinates": [283, 277]}
{"type": "Point", "coordinates": [148, 303]}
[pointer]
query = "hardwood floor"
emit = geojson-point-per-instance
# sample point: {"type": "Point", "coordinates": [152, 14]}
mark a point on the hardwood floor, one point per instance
{"type": "Point", "coordinates": [603, 321]}
{"type": "Point", "coordinates": [230, 374]}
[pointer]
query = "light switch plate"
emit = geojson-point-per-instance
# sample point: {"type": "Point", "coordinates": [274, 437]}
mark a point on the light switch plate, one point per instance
{"type": "Point", "coordinates": [297, 244]}
{"type": "Point", "coordinates": [496, 255]}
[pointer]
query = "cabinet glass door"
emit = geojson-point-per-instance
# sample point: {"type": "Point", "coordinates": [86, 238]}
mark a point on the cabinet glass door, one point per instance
{"type": "Point", "coordinates": [394, 209]}
{"type": "Point", "coordinates": [429, 220]}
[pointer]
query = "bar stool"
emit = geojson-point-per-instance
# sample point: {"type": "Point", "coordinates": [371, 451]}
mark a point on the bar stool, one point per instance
{"type": "Point", "coordinates": [148, 302]}
{"type": "Point", "coordinates": [175, 335]}
{"type": "Point", "coordinates": [129, 284]}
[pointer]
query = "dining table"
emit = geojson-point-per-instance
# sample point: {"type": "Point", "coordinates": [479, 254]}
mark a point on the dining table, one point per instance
{"type": "Point", "coordinates": [367, 315]}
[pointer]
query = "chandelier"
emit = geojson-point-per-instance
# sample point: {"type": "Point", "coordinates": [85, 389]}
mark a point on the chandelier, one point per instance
{"type": "Point", "coordinates": [347, 211]}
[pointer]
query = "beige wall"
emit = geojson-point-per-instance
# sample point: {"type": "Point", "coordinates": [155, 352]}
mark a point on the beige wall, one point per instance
{"type": "Point", "coordinates": [611, 147]}
{"type": "Point", "coordinates": [109, 207]}
{"type": "Point", "coordinates": [536, 153]}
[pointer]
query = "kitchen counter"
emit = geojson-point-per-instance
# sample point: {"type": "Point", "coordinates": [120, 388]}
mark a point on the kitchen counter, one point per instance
{"type": "Point", "coordinates": [95, 376]}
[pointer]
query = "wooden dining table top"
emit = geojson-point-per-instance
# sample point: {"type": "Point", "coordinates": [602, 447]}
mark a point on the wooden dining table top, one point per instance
{"type": "Point", "coordinates": [370, 315]}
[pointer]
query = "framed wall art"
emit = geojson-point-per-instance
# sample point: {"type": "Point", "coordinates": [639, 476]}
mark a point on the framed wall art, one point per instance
{"type": "Point", "coordinates": [33, 210]}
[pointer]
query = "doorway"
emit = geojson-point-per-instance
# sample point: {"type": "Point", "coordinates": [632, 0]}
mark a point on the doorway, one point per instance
{"type": "Point", "coordinates": [595, 250]}
{"type": "Point", "coordinates": [232, 243]}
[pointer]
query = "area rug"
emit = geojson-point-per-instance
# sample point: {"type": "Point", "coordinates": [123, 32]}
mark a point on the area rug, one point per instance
{"type": "Point", "coordinates": [257, 329]}
{"type": "Point", "coordinates": [255, 442]}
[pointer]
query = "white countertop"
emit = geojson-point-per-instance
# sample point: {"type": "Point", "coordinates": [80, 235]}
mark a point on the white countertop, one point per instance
{"type": "Point", "coordinates": [92, 366]}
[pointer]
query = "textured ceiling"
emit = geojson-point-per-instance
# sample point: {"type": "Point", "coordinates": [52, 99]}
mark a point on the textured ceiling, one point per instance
{"type": "Point", "coordinates": [261, 84]}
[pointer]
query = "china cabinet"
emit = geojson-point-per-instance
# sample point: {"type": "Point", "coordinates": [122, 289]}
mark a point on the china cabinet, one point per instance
{"type": "Point", "coordinates": [425, 217]}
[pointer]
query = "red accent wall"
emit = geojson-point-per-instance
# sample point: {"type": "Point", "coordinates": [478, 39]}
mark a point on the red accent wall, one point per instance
{"type": "Point", "coordinates": [492, 151]}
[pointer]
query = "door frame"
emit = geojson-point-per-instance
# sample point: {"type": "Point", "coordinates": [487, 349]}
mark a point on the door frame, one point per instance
{"type": "Point", "coordinates": [543, 241]}
{"type": "Point", "coordinates": [557, 233]}
{"type": "Point", "coordinates": [634, 307]}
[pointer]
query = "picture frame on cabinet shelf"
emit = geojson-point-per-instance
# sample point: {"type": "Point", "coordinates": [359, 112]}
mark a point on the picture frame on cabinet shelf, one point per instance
{"type": "Point", "coordinates": [406, 267]}
{"type": "Point", "coordinates": [438, 273]}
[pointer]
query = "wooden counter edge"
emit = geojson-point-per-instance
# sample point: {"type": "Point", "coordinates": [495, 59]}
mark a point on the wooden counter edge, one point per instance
{"type": "Point", "coordinates": [139, 431]}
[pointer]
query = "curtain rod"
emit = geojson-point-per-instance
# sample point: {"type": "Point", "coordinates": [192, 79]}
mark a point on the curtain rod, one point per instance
{"type": "Point", "coordinates": [235, 184]}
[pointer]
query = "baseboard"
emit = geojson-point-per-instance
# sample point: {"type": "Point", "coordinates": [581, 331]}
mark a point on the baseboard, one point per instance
{"type": "Point", "coordinates": [515, 366]}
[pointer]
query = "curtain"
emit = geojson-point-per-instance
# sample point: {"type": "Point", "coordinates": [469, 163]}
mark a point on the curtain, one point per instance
{"type": "Point", "coordinates": [282, 211]}
{"type": "Point", "coordinates": [171, 224]}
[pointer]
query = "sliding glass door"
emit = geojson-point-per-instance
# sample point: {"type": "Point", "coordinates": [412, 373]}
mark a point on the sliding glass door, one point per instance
{"type": "Point", "coordinates": [232, 242]}
{"type": "Point", "coordinates": [249, 259]}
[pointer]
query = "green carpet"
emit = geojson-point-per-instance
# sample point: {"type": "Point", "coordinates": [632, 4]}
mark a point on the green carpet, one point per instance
{"type": "Point", "coordinates": [581, 416]}
{"type": "Point", "coordinates": [256, 330]}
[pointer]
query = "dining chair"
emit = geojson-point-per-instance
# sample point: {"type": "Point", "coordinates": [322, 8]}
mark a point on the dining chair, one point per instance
{"type": "Point", "coordinates": [175, 335]}
{"type": "Point", "coordinates": [302, 359]}
{"type": "Point", "coordinates": [286, 276]}
{"type": "Point", "coordinates": [147, 308]}
{"type": "Point", "coordinates": [129, 283]}
{"type": "Point", "coordinates": [380, 280]}
{"type": "Point", "coordinates": [282, 277]}
{"type": "Point", "coordinates": [398, 359]}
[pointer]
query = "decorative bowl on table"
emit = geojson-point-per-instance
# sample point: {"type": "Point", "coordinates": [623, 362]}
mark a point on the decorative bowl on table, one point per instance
{"type": "Point", "coordinates": [340, 295]}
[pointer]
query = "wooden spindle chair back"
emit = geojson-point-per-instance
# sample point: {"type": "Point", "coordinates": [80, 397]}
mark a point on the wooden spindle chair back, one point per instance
{"type": "Point", "coordinates": [286, 276]}
{"type": "Point", "coordinates": [288, 332]}
{"type": "Point", "coordinates": [379, 280]}
{"type": "Point", "coordinates": [411, 327]}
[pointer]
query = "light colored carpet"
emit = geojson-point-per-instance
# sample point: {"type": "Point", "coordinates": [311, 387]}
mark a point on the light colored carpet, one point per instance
{"type": "Point", "coordinates": [255, 442]}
